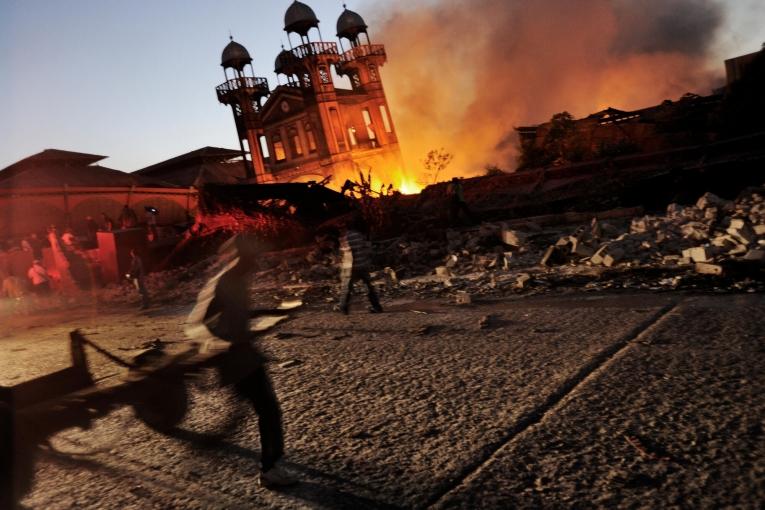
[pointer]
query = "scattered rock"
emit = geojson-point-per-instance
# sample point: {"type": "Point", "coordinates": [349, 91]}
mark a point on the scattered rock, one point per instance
{"type": "Point", "coordinates": [463, 298]}
{"type": "Point", "coordinates": [290, 363]}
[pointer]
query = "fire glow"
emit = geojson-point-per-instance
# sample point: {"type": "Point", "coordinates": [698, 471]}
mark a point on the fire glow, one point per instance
{"type": "Point", "coordinates": [518, 63]}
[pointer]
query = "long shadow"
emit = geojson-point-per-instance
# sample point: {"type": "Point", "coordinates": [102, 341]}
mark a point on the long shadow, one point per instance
{"type": "Point", "coordinates": [309, 491]}
{"type": "Point", "coordinates": [329, 497]}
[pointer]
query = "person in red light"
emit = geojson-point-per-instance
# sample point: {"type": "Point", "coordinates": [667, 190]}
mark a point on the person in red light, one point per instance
{"type": "Point", "coordinates": [38, 275]}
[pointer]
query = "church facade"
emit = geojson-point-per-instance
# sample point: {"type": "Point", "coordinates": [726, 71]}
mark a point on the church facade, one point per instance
{"type": "Point", "coordinates": [308, 128]}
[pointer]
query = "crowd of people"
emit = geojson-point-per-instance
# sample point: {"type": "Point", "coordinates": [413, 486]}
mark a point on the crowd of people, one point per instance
{"type": "Point", "coordinates": [65, 265]}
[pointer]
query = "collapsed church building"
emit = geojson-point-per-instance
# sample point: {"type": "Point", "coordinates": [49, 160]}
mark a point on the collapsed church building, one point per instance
{"type": "Point", "coordinates": [309, 128]}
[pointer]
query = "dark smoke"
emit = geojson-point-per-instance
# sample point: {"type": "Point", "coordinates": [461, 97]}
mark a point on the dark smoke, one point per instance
{"type": "Point", "coordinates": [463, 74]}
{"type": "Point", "coordinates": [684, 26]}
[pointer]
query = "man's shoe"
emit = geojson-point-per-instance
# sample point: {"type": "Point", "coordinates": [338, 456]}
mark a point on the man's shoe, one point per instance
{"type": "Point", "coordinates": [275, 477]}
{"type": "Point", "coordinates": [375, 309]}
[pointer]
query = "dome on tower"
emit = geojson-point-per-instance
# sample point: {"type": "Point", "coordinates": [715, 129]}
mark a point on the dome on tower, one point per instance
{"type": "Point", "coordinates": [300, 18]}
{"type": "Point", "coordinates": [283, 59]}
{"type": "Point", "coordinates": [235, 55]}
{"type": "Point", "coordinates": [350, 24]}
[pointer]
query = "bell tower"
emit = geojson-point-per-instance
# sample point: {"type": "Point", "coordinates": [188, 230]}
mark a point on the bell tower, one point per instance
{"type": "Point", "coordinates": [315, 60]}
{"type": "Point", "coordinates": [245, 93]}
{"type": "Point", "coordinates": [361, 63]}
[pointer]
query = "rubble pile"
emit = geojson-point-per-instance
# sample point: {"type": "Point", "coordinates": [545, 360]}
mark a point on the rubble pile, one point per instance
{"type": "Point", "coordinates": [680, 249]}
{"type": "Point", "coordinates": [706, 236]}
{"type": "Point", "coordinates": [715, 244]}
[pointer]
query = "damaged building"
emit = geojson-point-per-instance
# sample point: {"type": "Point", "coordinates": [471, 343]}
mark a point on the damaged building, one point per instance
{"type": "Point", "coordinates": [309, 127]}
{"type": "Point", "coordinates": [691, 120]}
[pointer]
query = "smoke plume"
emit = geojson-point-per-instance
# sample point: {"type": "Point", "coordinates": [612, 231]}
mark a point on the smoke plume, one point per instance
{"type": "Point", "coordinates": [461, 74]}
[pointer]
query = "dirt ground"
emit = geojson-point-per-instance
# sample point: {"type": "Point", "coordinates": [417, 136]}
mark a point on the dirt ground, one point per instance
{"type": "Point", "coordinates": [583, 400]}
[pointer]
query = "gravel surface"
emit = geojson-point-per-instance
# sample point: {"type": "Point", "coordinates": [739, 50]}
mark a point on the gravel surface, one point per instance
{"type": "Point", "coordinates": [583, 400]}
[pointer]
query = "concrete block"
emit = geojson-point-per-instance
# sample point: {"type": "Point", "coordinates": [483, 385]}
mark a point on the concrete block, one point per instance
{"type": "Point", "coordinates": [745, 235]}
{"type": "Point", "coordinates": [705, 268]}
{"type": "Point", "coordinates": [463, 298]}
{"type": "Point", "coordinates": [699, 254]}
{"type": "Point", "coordinates": [443, 271]}
{"type": "Point", "coordinates": [513, 237]}
{"type": "Point", "coordinates": [521, 282]}
{"type": "Point", "coordinates": [599, 255]}
{"type": "Point", "coordinates": [613, 255]}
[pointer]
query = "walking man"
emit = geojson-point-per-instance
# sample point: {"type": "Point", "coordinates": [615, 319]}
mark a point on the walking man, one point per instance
{"type": "Point", "coordinates": [457, 201]}
{"type": "Point", "coordinates": [356, 257]}
{"type": "Point", "coordinates": [138, 275]}
{"type": "Point", "coordinates": [221, 321]}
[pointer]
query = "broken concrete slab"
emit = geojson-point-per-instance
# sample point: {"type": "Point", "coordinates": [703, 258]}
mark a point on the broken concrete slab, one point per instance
{"type": "Point", "coordinates": [706, 268]}
{"type": "Point", "coordinates": [699, 253]}
{"type": "Point", "coordinates": [463, 298]}
{"type": "Point", "coordinates": [513, 237]}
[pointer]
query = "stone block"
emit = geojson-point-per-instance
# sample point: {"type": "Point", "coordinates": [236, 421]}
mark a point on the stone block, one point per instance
{"type": "Point", "coordinates": [463, 298]}
{"type": "Point", "coordinates": [599, 255]}
{"type": "Point", "coordinates": [759, 230]}
{"type": "Point", "coordinates": [745, 235]}
{"type": "Point", "coordinates": [610, 255]}
{"type": "Point", "coordinates": [705, 268]}
{"type": "Point", "coordinates": [513, 237]}
{"type": "Point", "coordinates": [699, 254]}
{"type": "Point", "coordinates": [443, 271]}
{"type": "Point", "coordinates": [521, 282]}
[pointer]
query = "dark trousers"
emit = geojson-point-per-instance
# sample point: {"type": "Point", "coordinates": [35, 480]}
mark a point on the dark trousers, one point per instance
{"type": "Point", "coordinates": [458, 206]}
{"type": "Point", "coordinates": [141, 284]}
{"type": "Point", "coordinates": [347, 279]}
{"type": "Point", "coordinates": [256, 387]}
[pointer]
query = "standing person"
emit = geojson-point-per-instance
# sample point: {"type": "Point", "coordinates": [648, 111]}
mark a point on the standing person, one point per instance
{"type": "Point", "coordinates": [223, 313]}
{"type": "Point", "coordinates": [138, 275]}
{"type": "Point", "coordinates": [457, 201]}
{"type": "Point", "coordinates": [39, 277]}
{"type": "Point", "coordinates": [68, 240]}
{"type": "Point", "coordinates": [356, 257]}
{"type": "Point", "coordinates": [108, 223]}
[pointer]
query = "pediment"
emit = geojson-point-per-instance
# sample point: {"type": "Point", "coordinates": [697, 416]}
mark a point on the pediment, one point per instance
{"type": "Point", "coordinates": [281, 104]}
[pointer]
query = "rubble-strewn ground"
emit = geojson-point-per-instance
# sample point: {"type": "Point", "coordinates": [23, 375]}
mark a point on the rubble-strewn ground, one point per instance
{"type": "Point", "coordinates": [618, 400]}
{"type": "Point", "coordinates": [614, 363]}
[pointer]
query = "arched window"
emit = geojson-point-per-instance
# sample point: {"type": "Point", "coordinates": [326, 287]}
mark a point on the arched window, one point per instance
{"type": "Point", "coordinates": [311, 137]}
{"type": "Point", "coordinates": [279, 153]}
{"type": "Point", "coordinates": [295, 146]}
